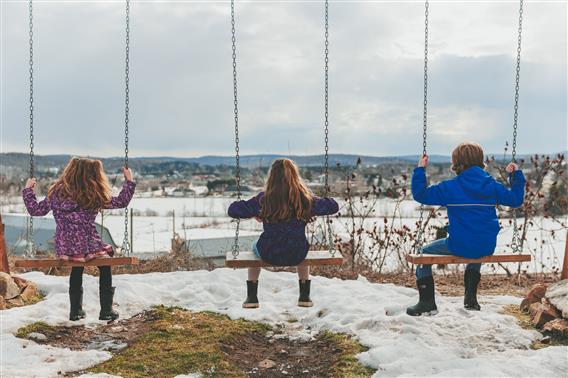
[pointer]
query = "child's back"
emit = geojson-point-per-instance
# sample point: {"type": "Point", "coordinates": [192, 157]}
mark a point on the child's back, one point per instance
{"type": "Point", "coordinates": [284, 208]}
{"type": "Point", "coordinates": [470, 199]}
{"type": "Point", "coordinates": [282, 243]}
{"type": "Point", "coordinates": [76, 236]}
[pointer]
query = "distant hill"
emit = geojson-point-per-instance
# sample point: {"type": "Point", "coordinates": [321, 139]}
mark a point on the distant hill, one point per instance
{"type": "Point", "coordinates": [22, 160]}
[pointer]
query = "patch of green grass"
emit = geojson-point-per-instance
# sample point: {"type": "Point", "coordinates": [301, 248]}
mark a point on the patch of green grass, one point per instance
{"type": "Point", "coordinates": [39, 327]}
{"type": "Point", "coordinates": [524, 320]}
{"type": "Point", "coordinates": [35, 299]}
{"type": "Point", "coordinates": [348, 365]}
{"type": "Point", "coordinates": [181, 342]}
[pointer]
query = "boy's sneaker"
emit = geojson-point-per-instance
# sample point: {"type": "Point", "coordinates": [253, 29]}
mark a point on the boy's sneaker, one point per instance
{"type": "Point", "coordinates": [471, 280]}
{"type": "Point", "coordinates": [426, 304]}
{"type": "Point", "coordinates": [252, 298]}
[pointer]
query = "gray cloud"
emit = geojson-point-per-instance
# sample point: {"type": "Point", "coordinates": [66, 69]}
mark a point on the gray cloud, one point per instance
{"type": "Point", "coordinates": [182, 91]}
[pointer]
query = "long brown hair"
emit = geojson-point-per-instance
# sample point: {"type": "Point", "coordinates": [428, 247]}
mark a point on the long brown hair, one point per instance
{"type": "Point", "coordinates": [83, 181]}
{"type": "Point", "coordinates": [467, 155]}
{"type": "Point", "coordinates": [286, 195]}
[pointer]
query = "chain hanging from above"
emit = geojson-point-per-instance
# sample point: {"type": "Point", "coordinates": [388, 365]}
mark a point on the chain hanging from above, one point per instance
{"type": "Point", "coordinates": [329, 234]}
{"type": "Point", "coordinates": [421, 227]}
{"type": "Point", "coordinates": [126, 242]}
{"type": "Point", "coordinates": [236, 250]}
{"type": "Point", "coordinates": [517, 242]}
{"type": "Point", "coordinates": [329, 230]}
{"type": "Point", "coordinates": [30, 248]}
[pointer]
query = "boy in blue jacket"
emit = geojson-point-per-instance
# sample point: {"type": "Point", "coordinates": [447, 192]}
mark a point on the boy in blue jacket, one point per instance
{"type": "Point", "coordinates": [470, 199]}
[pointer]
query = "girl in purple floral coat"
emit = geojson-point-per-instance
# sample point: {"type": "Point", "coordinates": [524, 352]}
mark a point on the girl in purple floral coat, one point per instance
{"type": "Point", "coordinates": [75, 199]}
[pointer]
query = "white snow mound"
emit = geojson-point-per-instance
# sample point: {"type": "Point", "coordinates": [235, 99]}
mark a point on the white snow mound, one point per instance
{"type": "Point", "coordinates": [454, 343]}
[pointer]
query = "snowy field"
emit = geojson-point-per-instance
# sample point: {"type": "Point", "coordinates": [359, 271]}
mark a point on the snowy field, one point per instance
{"type": "Point", "coordinates": [205, 217]}
{"type": "Point", "coordinates": [454, 343]}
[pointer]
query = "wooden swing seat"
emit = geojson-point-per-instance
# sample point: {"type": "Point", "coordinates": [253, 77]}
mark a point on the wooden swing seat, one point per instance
{"type": "Point", "coordinates": [248, 259]}
{"type": "Point", "coordinates": [445, 259]}
{"type": "Point", "coordinates": [57, 263]}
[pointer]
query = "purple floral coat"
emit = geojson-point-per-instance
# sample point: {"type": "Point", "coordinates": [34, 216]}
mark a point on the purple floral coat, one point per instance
{"type": "Point", "coordinates": [75, 232]}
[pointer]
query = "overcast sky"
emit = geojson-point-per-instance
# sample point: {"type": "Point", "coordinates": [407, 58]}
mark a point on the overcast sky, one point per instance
{"type": "Point", "coordinates": [181, 76]}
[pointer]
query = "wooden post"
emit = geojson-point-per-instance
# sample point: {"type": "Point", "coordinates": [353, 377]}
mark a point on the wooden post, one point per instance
{"type": "Point", "coordinates": [4, 267]}
{"type": "Point", "coordinates": [564, 274]}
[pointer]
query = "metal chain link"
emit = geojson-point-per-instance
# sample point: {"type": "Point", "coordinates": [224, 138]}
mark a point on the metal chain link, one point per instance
{"type": "Point", "coordinates": [516, 242]}
{"type": "Point", "coordinates": [326, 124]}
{"type": "Point", "coordinates": [126, 242]}
{"type": "Point", "coordinates": [30, 250]}
{"type": "Point", "coordinates": [420, 232]}
{"type": "Point", "coordinates": [236, 248]}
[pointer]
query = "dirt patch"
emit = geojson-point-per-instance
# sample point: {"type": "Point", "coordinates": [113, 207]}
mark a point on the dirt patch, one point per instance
{"type": "Point", "coordinates": [327, 355]}
{"type": "Point", "coordinates": [167, 341]}
{"type": "Point", "coordinates": [109, 337]}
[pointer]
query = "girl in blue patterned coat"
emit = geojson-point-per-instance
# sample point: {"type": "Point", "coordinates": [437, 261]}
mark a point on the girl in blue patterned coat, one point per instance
{"type": "Point", "coordinates": [284, 207]}
{"type": "Point", "coordinates": [470, 198]}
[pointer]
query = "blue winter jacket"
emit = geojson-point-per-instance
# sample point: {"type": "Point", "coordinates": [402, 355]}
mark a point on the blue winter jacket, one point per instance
{"type": "Point", "coordinates": [282, 244]}
{"type": "Point", "coordinates": [470, 199]}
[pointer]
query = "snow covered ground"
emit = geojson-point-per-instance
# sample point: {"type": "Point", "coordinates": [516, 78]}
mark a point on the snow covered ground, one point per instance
{"type": "Point", "coordinates": [454, 343]}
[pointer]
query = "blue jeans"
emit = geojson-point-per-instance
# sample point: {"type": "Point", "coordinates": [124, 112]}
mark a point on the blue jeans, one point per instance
{"type": "Point", "coordinates": [438, 247]}
{"type": "Point", "coordinates": [255, 249]}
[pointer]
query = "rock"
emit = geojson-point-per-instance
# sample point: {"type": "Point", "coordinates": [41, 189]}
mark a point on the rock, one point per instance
{"type": "Point", "coordinates": [15, 302]}
{"type": "Point", "coordinates": [22, 283]}
{"type": "Point", "coordinates": [2, 303]}
{"type": "Point", "coordinates": [37, 336]}
{"type": "Point", "coordinates": [557, 294]}
{"type": "Point", "coordinates": [557, 326]}
{"type": "Point", "coordinates": [536, 293]}
{"type": "Point", "coordinates": [8, 288]}
{"type": "Point", "coordinates": [266, 364]}
{"type": "Point", "coordinates": [29, 292]}
{"type": "Point", "coordinates": [542, 313]}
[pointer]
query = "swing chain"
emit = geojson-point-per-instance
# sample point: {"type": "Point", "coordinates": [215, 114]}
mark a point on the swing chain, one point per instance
{"type": "Point", "coordinates": [329, 230]}
{"type": "Point", "coordinates": [126, 242]}
{"type": "Point", "coordinates": [235, 251]}
{"type": "Point", "coordinates": [516, 242]}
{"type": "Point", "coordinates": [30, 229]}
{"type": "Point", "coordinates": [420, 232]}
{"type": "Point", "coordinates": [425, 111]}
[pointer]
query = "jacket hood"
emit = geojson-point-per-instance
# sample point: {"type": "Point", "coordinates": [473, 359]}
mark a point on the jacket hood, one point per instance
{"type": "Point", "coordinates": [477, 183]}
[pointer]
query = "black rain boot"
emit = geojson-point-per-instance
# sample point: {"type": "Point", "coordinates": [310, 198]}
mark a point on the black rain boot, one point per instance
{"type": "Point", "coordinates": [106, 297]}
{"type": "Point", "coordinates": [252, 298]}
{"type": "Point", "coordinates": [76, 304]}
{"type": "Point", "coordinates": [426, 304]}
{"type": "Point", "coordinates": [471, 281]}
{"type": "Point", "coordinates": [304, 300]}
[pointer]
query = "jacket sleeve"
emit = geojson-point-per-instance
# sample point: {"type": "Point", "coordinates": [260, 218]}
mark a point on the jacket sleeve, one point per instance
{"type": "Point", "coordinates": [124, 197]}
{"type": "Point", "coordinates": [427, 195]}
{"type": "Point", "coordinates": [324, 206]}
{"type": "Point", "coordinates": [245, 209]}
{"type": "Point", "coordinates": [514, 196]}
{"type": "Point", "coordinates": [35, 208]}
